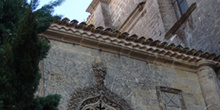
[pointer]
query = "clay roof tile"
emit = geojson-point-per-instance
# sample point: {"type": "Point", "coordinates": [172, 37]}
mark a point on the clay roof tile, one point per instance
{"type": "Point", "coordinates": [186, 49]}
{"type": "Point", "coordinates": [90, 27]}
{"type": "Point", "coordinates": [116, 33]}
{"type": "Point", "coordinates": [73, 23]}
{"type": "Point", "coordinates": [163, 45]}
{"type": "Point", "coordinates": [99, 30]}
{"type": "Point", "coordinates": [217, 58]}
{"type": "Point", "coordinates": [123, 35]}
{"type": "Point", "coordinates": [212, 56]}
{"type": "Point", "coordinates": [155, 43]}
{"type": "Point", "coordinates": [148, 41]}
{"type": "Point", "coordinates": [171, 46]}
{"type": "Point", "coordinates": [192, 52]}
{"type": "Point", "coordinates": [205, 55]}
{"type": "Point", "coordinates": [64, 21]}
{"type": "Point", "coordinates": [82, 25]}
{"type": "Point", "coordinates": [198, 53]}
{"type": "Point", "coordinates": [132, 37]}
{"type": "Point", "coordinates": [142, 40]}
{"type": "Point", "coordinates": [109, 31]}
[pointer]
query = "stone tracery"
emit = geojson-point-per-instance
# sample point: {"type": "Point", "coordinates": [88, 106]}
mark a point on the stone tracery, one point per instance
{"type": "Point", "coordinates": [100, 103]}
{"type": "Point", "coordinates": [97, 97]}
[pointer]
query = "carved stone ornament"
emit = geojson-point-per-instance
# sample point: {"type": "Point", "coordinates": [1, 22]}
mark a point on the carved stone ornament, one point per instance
{"type": "Point", "coordinates": [99, 71]}
{"type": "Point", "coordinates": [97, 97]}
{"type": "Point", "coordinates": [170, 99]}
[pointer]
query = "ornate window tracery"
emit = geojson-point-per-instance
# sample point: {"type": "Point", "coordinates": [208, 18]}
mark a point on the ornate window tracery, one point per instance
{"type": "Point", "coordinates": [100, 103]}
{"type": "Point", "coordinates": [97, 97]}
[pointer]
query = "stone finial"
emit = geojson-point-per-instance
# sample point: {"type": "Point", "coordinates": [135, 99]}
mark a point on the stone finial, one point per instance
{"type": "Point", "coordinates": [99, 71]}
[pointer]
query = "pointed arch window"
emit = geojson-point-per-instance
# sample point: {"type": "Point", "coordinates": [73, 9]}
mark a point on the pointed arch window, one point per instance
{"type": "Point", "coordinates": [100, 103]}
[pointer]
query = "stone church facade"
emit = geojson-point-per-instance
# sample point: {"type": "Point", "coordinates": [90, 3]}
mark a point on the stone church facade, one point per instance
{"type": "Point", "coordinates": [98, 66]}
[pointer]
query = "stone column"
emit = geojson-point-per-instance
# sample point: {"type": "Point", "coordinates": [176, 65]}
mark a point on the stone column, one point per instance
{"type": "Point", "coordinates": [209, 85]}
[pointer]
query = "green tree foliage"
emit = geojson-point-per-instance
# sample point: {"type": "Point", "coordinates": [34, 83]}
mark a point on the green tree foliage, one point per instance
{"type": "Point", "coordinates": [11, 12]}
{"type": "Point", "coordinates": [21, 50]}
{"type": "Point", "coordinates": [44, 103]}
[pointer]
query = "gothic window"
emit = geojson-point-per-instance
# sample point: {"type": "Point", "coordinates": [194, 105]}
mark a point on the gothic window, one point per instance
{"type": "Point", "coordinates": [98, 106]}
{"type": "Point", "coordinates": [89, 108]}
{"type": "Point", "coordinates": [97, 97]}
{"type": "Point", "coordinates": [100, 103]}
{"type": "Point", "coordinates": [180, 6]}
{"type": "Point", "coordinates": [170, 99]}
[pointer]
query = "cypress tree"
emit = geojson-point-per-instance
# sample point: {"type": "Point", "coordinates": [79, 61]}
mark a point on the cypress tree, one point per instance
{"type": "Point", "coordinates": [21, 50]}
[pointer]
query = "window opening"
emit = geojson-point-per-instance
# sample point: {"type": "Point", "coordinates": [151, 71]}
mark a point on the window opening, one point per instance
{"type": "Point", "coordinates": [180, 7]}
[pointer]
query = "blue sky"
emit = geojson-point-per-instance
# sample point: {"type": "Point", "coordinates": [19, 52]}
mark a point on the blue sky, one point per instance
{"type": "Point", "coordinates": [72, 9]}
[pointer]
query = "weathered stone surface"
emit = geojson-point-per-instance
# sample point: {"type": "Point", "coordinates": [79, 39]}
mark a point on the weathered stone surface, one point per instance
{"type": "Point", "coordinates": [69, 67]}
{"type": "Point", "coordinates": [201, 30]}
{"type": "Point", "coordinates": [116, 13]}
{"type": "Point", "coordinates": [209, 86]}
{"type": "Point", "coordinates": [151, 24]}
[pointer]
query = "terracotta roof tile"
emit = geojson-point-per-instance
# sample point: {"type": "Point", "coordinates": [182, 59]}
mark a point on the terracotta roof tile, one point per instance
{"type": "Point", "coordinates": [137, 42]}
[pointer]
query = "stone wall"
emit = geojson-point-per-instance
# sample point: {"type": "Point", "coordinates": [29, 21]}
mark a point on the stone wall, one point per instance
{"type": "Point", "coordinates": [98, 16]}
{"type": "Point", "coordinates": [168, 13]}
{"type": "Point", "coordinates": [150, 25]}
{"type": "Point", "coordinates": [68, 68]}
{"type": "Point", "coordinates": [116, 13]}
{"type": "Point", "coordinates": [203, 31]}
{"type": "Point", "coordinates": [120, 11]}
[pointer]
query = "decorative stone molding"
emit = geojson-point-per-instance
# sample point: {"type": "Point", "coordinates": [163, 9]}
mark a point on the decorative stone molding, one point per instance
{"type": "Point", "coordinates": [132, 46]}
{"type": "Point", "coordinates": [207, 64]}
{"type": "Point", "coordinates": [98, 96]}
{"type": "Point", "coordinates": [93, 96]}
{"type": "Point", "coordinates": [101, 102]}
{"type": "Point", "coordinates": [99, 71]}
{"type": "Point", "coordinates": [170, 98]}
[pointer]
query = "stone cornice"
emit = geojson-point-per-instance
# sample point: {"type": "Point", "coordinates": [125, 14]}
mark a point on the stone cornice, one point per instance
{"type": "Point", "coordinates": [94, 5]}
{"type": "Point", "coordinates": [148, 50]}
